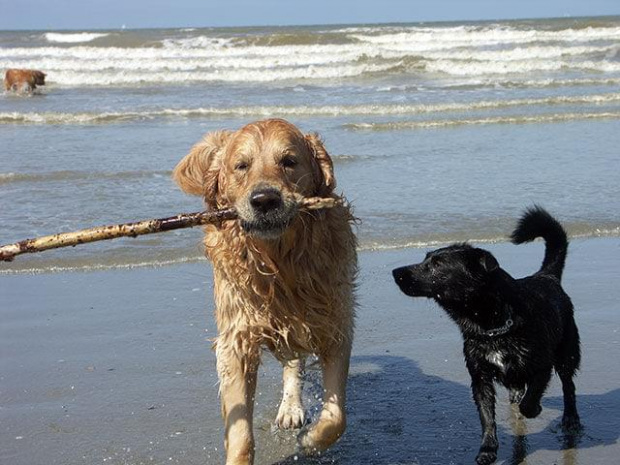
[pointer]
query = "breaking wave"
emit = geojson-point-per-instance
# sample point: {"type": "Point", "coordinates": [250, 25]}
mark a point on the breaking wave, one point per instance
{"type": "Point", "coordinates": [446, 123]}
{"type": "Point", "coordinates": [130, 58]}
{"type": "Point", "coordinates": [72, 38]}
{"type": "Point", "coordinates": [330, 110]}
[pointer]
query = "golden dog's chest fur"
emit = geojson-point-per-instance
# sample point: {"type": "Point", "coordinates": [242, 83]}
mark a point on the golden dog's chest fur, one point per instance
{"type": "Point", "coordinates": [294, 296]}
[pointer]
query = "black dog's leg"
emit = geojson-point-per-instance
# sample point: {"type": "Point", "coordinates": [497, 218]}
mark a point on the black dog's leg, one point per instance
{"type": "Point", "coordinates": [530, 404]}
{"type": "Point", "coordinates": [484, 396]}
{"type": "Point", "coordinates": [570, 419]}
{"type": "Point", "coordinates": [569, 358]}
{"type": "Point", "coordinates": [516, 394]}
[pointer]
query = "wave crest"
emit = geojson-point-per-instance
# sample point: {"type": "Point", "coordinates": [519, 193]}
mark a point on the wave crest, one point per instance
{"type": "Point", "coordinates": [339, 110]}
{"type": "Point", "coordinates": [323, 54]}
{"type": "Point", "coordinates": [72, 38]}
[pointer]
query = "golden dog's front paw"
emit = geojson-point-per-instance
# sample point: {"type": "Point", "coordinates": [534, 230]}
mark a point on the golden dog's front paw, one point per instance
{"type": "Point", "coordinates": [290, 416]}
{"type": "Point", "coordinates": [240, 457]}
{"type": "Point", "coordinates": [321, 435]}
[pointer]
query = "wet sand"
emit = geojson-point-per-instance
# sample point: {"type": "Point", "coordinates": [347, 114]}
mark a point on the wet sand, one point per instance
{"type": "Point", "coordinates": [115, 367]}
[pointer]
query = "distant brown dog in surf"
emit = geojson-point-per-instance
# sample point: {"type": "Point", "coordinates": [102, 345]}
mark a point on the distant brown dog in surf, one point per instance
{"type": "Point", "coordinates": [23, 80]}
{"type": "Point", "coordinates": [284, 278]}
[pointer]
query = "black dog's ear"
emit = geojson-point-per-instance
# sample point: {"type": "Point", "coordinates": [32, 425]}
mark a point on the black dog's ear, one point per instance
{"type": "Point", "coordinates": [488, 262]}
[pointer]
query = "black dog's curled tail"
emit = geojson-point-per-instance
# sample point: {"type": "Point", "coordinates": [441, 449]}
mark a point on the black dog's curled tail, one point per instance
{"type": "Point", "coordinates": [536, 222]}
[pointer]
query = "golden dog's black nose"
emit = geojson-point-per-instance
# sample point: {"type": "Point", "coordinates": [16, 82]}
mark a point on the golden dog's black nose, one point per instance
{"type": "Point", "coordinates": [265, 200]}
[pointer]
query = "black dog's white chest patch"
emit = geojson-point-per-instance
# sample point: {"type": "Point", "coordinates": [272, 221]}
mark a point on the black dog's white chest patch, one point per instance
{"type": "Point", "coordinates": [496, 358]}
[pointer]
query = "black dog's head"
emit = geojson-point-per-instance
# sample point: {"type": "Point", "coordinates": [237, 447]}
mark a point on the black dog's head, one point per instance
{"type": "Point", "coordinates": [453, 274]}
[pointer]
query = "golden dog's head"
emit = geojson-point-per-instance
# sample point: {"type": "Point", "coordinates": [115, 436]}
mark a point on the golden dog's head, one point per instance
{"type": "Point", "coordinates": [260, 170]}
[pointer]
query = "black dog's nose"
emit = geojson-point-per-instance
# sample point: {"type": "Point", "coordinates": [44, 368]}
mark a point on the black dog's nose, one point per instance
{"type": "Point", "coordinates": [265, 200]}
{"type": "Point", "coordinates": [399, 274]}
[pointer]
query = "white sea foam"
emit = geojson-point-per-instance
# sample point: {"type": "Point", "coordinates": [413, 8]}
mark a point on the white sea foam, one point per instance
{"type": "Point", "coordinates": [488, 35]}
{"type": "Point", "coordinates": [575, 231]}
{"type": "Point", "coordinates": [330, 110]}
{"type": "Point", "coordinates": [521, 53]}
{"type": "Point", "coordinates": [197, 42]}
{"type": "Point", "coordinates": [96, 59]}
{"type": "Point", "coordinates": [93, 266]}
{"type": "Point", "coordinates": [463, 52]}
{"type": "Point", "coordinates": [446, 123]}
{"type": "Point", "coordinates": [92, 60]}
{"type": "Point", "coordinates": [517, 67]}
{"type": "Point", "coordinates": [72, 38]}
{"type": "Point", "coordinates": [140, 71]}
{"type": "Point", "coordinates": [139, 77]}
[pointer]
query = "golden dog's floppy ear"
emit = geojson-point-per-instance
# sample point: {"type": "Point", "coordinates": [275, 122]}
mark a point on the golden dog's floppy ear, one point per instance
{"type": "Point", "coordinates": [198, 171]}
{"type": "Point", "coordinates": [326, 182]}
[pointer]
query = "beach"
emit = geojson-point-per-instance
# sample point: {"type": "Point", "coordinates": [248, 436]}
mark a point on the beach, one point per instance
{"type": "Point", "coordinates": [439, 133]}
{"type": "Point", "coordinates": [116, 367]}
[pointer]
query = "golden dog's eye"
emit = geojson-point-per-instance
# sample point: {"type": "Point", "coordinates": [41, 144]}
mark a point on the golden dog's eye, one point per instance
{"type": "Point", "coordinates": [241, 166]}
{"type": "Point", "coordinates": [288, 162]}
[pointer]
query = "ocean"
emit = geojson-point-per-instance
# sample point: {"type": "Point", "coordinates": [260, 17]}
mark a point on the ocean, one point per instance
{"type": "Point", "coordinates": [439, 132]}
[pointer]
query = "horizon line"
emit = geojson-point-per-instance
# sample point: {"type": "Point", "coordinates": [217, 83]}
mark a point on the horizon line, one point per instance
{"type": "Point", "coordinates": [334, 24]}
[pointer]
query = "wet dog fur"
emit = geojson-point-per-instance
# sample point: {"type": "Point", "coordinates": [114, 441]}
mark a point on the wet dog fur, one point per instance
{"type": "Point", "coordinates": [283, 278]}
{"type": "Point", "coordinates": [23, 80]}
{"type": "Point", "coordinates": [515, 331]}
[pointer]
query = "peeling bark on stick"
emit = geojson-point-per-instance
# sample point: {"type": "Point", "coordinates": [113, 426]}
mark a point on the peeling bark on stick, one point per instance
{"type": "Point", "coordinates": [101, 233]}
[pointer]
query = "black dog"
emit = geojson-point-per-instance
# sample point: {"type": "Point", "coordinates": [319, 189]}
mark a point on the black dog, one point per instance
{"type": "Point", "coordinates": [515, 331]}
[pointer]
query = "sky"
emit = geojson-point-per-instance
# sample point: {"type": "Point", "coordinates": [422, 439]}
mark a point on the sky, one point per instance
{"type": "Point", "coordinates": [115, 14]}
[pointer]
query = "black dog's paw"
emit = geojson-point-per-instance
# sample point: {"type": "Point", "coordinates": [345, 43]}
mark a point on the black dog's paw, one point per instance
{"type": "Point", "coordinates": [486, 458]}
{"type": "Point", "coordinates": [571, 424]}
{"type": "Point", "coordinates": [516, 395]}
{"type": "Point", "coordinates": [530, 411]}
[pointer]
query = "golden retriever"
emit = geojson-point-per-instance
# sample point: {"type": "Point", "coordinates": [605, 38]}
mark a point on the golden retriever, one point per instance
{"type": "Point", "coordinates": [23, 80]}
{"type": "Point", "coordinates": [284, 278]}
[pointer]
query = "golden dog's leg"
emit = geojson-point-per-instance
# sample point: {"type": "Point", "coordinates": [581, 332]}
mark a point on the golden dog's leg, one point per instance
{"type": "Point", "coordinates": [237, 389]}
{"type": "Point", "coordinates": [291, 411]}
{"type": "Point", "coordinates": [332, 421]}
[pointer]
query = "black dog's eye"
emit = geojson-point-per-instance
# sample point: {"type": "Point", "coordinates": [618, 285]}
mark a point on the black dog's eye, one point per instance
{"type": "Point", "coordinates": [288, 162]}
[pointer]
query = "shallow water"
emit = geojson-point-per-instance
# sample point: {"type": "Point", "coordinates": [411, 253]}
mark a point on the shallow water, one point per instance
{"type": "Point", "coordinates": [439, 132]}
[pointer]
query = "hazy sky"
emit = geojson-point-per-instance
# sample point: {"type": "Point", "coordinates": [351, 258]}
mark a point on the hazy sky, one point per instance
{"type": "Point", "coordinates": [113, 14]}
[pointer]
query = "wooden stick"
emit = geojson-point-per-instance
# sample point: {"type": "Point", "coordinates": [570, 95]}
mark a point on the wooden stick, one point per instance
{"type": "Point", "coordinates": [102, 233]}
